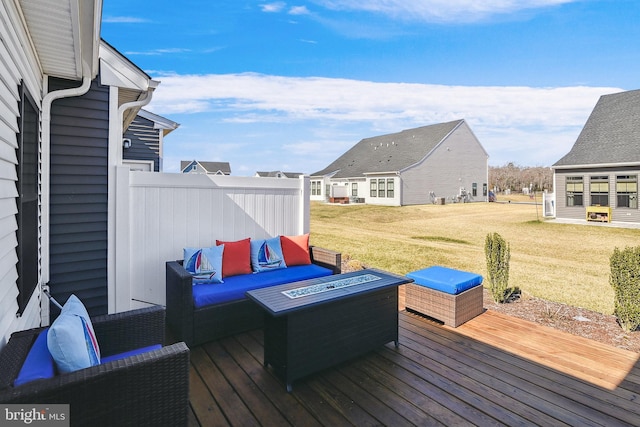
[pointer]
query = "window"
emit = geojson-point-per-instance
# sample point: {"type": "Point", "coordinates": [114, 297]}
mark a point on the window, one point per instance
{"type": "Point", "coordinates": [474, 189]}
{"type": "Point", "coordinates": [390, 184]}
{"type": "Point", "coordinates": [627, 191]}
{"type": "Point", "coordinates": [354, 189]}
{"type": "Point", "coordinates": [316, 188]}
{"type": "Point", "coordinates": [575, 191]}
{"type": "Point", "coordinates": [27, 216]}
{"type": "Point", "coordinates": [484, 189]}
{"type": "Point", "coordinates": [599, 189]}
{"type": "Point", "coordinates": [381, 187]}
{"type": "Point", "coordinates": [374, 188]}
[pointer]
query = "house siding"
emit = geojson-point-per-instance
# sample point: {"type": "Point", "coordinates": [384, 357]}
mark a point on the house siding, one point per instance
{"type": "Point", "coordinates": [631, 215]}
{"type": "Point", "coordinates": [145, 142]}
{"type": "Point", "coordinates": [79, 196]}
{"type": "Point", "coordinates": [15, 68]}
{"type": "Point", "coordinates": [459, 161]}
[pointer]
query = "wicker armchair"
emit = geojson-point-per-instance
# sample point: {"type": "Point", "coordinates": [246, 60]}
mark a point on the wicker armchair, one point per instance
{"type": "Point", "coordinates": [146, 389]}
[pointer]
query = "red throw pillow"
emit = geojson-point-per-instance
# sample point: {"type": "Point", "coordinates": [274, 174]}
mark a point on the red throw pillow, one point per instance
{"type": "Point", "coordinates": [236, 258]}
{"type": "Point", "coordinates": [295, 249]}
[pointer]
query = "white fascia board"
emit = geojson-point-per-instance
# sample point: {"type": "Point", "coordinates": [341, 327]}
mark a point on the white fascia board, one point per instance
{"type": "Point", "coordinates": [116, 70]}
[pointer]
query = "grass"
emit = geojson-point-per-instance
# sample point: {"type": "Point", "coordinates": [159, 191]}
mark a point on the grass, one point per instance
{"type": "Point", "coordinates": [558, 262]}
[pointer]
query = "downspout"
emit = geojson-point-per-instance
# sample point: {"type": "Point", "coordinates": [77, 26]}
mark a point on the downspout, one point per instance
{"type": "Point", "coordinates": [118, 247]}
{"type": "Point", "coordinates": [47, 102]}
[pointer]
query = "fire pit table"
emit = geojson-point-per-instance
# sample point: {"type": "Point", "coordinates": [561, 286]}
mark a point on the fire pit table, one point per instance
{"type": "Point", "coordinates": [315, 324]}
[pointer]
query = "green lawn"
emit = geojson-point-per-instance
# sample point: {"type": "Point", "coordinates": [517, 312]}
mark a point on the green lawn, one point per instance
{"type": "Point", "coordinates": [558, 262]}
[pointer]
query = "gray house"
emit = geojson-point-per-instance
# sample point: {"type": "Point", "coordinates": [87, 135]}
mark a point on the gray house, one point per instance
{"type": "Point", "coordinates": [209, 168]}
{"type": "Point", "coordinates": [144, 139]}
{"type": "Point", "coordinates": [66, 106]}
{"type": "Point", "coordinates": [415, 166]}
{"type": "Point", "coordinates": [598, 179]}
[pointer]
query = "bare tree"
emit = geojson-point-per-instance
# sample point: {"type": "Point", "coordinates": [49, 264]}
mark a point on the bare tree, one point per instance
{"type": "Point", "coordinates": [514, 177]}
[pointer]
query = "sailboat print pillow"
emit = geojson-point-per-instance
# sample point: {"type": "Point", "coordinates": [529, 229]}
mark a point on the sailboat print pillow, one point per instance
{"type": "Point", "coordinates": [204, 264]}
{"type": "Point", "coordinates": [266, 255]}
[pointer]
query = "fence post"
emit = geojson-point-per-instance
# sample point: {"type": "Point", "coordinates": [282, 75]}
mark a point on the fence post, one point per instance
{"type": "Point", "coordinates": [305, 205]}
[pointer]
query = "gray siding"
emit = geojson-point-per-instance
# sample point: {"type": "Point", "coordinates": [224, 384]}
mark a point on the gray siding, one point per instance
{"type": "Point", "coordinates": [579, 212]}
{"type": "Point", "coordinates": [145, 142]}
{"type": "Point", "coordinates": [79, 193]}
{"type": "Point", "coordinates": [459, 161]}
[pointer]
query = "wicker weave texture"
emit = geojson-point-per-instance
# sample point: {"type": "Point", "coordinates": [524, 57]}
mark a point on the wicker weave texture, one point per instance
{"type": "Point", "coordinates": [453, 310]}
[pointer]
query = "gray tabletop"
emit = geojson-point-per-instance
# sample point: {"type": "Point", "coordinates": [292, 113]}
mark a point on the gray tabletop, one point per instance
{"type": "Point", "coordinates": [283, 299]}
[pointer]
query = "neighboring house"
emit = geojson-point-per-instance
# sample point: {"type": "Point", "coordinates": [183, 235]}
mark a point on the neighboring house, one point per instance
{"type": "Point", "coordinates": [598, 178]}
{"type": "Point", "coordinates": [143, 141]}
{"type": "Point", "coordinates": [209, 168]}
{"type": "Point", "coordinates": [415, 166]}
{"type": "Point", "coordinates": [278, 174]}
{"type": "Point", "coordinates": [66, 105]}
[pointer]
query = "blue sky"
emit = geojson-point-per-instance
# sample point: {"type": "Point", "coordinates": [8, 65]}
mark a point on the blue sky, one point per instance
{"type": "Point", "coordinates": [290, 86]}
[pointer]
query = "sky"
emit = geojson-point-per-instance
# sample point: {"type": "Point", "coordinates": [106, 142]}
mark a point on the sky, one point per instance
{"type": "Point", "coordinates": [290, 86]}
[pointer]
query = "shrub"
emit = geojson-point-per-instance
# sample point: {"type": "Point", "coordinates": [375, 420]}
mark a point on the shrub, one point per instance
{"type": "Point", "coordinates": [498, 254]}
{"type": "Point", "coordinates": [625, 280]}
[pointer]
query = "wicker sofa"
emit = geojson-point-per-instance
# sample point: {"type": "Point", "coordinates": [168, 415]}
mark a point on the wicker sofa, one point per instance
{"type": "Point", "coordinates": [196, 325]}
{"type": "Point", "coordinates": [151, 388]}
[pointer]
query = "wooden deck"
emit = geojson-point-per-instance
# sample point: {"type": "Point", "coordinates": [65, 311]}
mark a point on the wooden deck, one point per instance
{"type": "Point", "coordinates": [493, 370]}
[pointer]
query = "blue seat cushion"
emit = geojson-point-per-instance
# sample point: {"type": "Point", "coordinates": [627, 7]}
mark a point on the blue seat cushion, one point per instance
{"type": "Point", "coordinates": [445, 279]}
{"type": "Point", "coordinates": [38, 364]}
{"type": "Point", "coordinates": [130, 353]}
{"type": "Point", "coordinates": [234, 287]}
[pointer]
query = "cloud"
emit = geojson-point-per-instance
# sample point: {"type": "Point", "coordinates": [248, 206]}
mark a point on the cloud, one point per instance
{"type": "Point", "coordinates": [299, 10]}
{"type": "Point", "coordinates": [155, 52]}
{"type": "Point", "coordinates": [439, 10]}
{"type": "Point", "coordinates": [123, 20]}
{"type": "Point", "coordinates": [540, 124]}
{"type": "Point", "coordinates": [273, 7]}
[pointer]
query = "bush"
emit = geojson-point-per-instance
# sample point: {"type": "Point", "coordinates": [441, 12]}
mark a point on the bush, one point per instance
{"type": "Point", "coordinates": [625, 280]}
{"type": "Point", "coordinates": [498, 254]}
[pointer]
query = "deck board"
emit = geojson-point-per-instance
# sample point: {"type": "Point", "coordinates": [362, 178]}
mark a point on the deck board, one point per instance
{"type": "Point", "coordinates": [493, 370]}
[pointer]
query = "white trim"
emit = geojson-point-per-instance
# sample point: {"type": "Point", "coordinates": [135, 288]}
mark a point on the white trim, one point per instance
{"type": "Point", "coordinates": [128, 163]}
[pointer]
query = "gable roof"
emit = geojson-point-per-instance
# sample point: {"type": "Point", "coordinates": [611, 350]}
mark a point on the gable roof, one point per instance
{"type": "Point", "coordinates": [209, 167]}
{"type": "Point", "coordinates": [611, 134]}
{"type": "Point", "coordinates": [163, 123]}
{"type": "Point", "coordinates": [278, 174]}
{"type": "Point", "coordinates": [389, 153]}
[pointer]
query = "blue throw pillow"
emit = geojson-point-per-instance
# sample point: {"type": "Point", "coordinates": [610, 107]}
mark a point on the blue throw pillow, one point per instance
{"type": "Point", "coordinates": [71, 339]}
{"type": "Point", "coordinates": [204, 264]}
{"type": "Point", "coordinates": [266, 255]}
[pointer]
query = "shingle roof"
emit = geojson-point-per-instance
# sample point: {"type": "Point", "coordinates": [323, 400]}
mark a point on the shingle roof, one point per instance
{"type": "Point", "coordinates": [276, 174]}
{"type": "Point", "coordinates": [210, 167]}
{"type": "Point", "coordinates": [389, 153]}
{"type": "Point", "coordinates": [611, 134]}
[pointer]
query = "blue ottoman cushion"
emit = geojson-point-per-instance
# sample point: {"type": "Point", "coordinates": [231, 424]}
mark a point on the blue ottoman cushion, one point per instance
{"type": "Point", "coordinates": [445, 279]}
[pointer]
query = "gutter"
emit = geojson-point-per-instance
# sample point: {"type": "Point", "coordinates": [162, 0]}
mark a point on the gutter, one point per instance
{"type": "Point", "coordinates": [597, 165]}
{"type": "Point", "coordinates": [47, 102]}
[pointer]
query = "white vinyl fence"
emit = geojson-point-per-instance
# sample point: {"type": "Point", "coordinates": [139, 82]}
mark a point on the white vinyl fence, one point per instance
{"type": "Point", "coordinates": [158, 214]}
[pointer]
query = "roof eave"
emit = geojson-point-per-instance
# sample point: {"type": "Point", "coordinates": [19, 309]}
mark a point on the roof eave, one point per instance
{"type": "Point", "coordinates": [596, 165]}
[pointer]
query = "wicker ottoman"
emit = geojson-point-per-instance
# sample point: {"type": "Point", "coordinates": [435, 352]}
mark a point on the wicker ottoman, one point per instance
{"type": "Point", "coordinates": [451, 296]}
